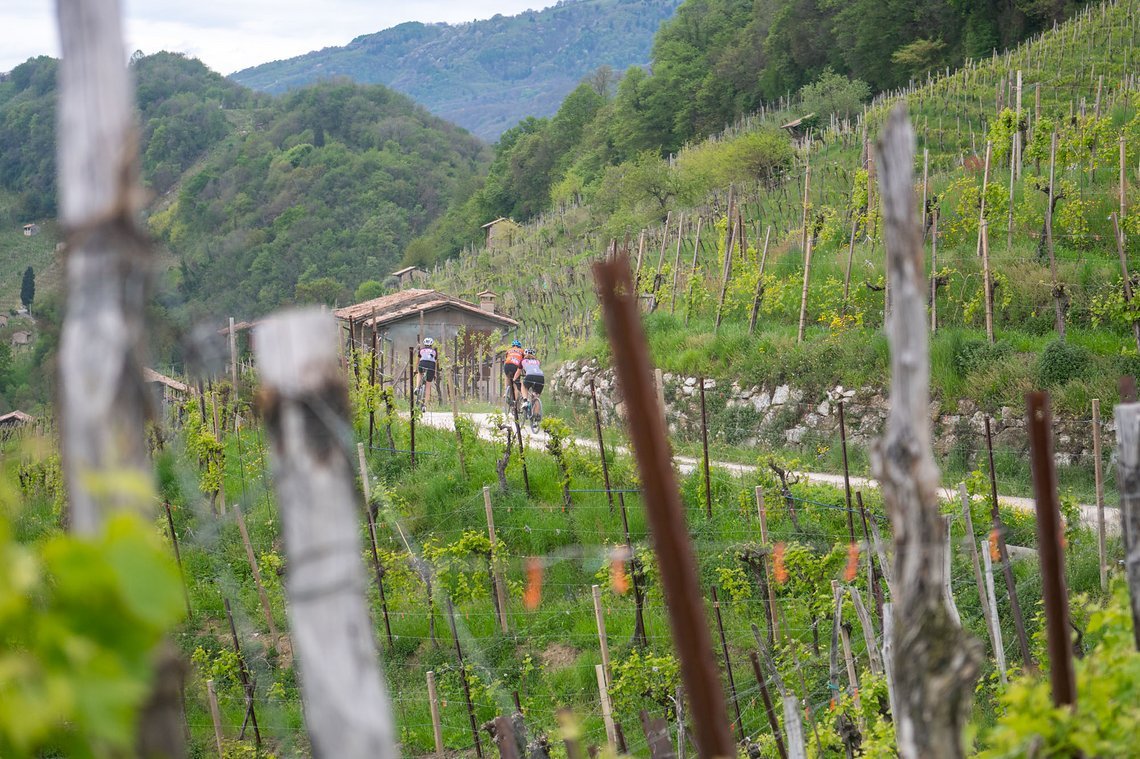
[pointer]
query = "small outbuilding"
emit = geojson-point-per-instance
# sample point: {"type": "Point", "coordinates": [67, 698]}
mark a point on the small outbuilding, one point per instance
{"type": "Point", "coordinates": [21, 338]}
{"type": "Point", "coordinates": [500, 232]}
{"type": "Point", "coordinates": [31, 230]}
{"type": "Point", "coordinates": [14, 419]}
{"type": "Point", "coordinates": [401, 320]}
{"type": "Point", "coordinates": [406, 277]}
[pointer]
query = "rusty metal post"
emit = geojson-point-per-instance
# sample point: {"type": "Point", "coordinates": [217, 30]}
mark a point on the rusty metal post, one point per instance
{"type": "Point", "coordinates": [705, 448]}
{"type": "Point", "coordinates": [601, 445]}
{"type": "Point", "coordinates": [463, 678]}
{"type": "Point", "coordinates": [663, 505]}
{"type": "Point", "coordinates": [1050, 550]}
{"type": "Point", "coordinates": [846, 476]}
{"type": "Point", "coordinates": [768, 708]}
{"type": "Point", "coordinates": [727, 661]}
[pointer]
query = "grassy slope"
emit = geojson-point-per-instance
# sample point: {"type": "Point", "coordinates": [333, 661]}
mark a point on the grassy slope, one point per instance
{"type": "Point", "coordinates": [18, 253]}
{"type": "Point", "coordinates": [559, 309]}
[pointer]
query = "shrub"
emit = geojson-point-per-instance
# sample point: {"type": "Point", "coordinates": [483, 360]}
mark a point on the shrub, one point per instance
{"type": "Point", "coordinates": [835, 93]}
{"type": "Point", "coordinates": [972, 354]}
{"type": "Point", "coordinates": [1061, 362]}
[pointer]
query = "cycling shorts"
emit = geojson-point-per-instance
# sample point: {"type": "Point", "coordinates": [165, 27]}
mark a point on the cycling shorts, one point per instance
{"type": "Point", "coordinates": [510, 370]}
{"type": "Point", "coordinates": [534, 383]}
{"type": "Point", "coordinates": [427, 368]}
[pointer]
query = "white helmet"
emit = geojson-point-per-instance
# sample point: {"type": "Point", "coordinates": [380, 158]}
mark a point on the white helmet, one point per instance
{"type": "Point", "coordinates": [429, 342]}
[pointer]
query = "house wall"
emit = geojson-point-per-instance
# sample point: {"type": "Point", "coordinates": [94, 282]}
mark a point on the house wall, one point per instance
{"type": "Point", "coordinates": [444, 326]}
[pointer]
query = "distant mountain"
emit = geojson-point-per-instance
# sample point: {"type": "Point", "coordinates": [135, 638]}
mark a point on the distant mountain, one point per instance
{"type": "Point", "coordinates": [485, 75]}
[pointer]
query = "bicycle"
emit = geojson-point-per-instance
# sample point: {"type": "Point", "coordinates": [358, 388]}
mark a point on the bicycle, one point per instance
{"type": "Point", "coordinates": [532, 409]}
{"type": "Point", "coordinates": [511, 399]}
{"type": "Point", "coordinates": [419, 394]}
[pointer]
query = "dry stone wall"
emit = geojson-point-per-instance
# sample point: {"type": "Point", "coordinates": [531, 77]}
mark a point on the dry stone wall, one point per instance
{"type": "Point", "coordinates": [753, 415]}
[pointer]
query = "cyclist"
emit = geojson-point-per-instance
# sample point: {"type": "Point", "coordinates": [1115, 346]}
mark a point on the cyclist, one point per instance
{"type": "Point", "coordinates": [533, 380]}
{"type": "Point", "coordinates": [429, 357]}
{"type": "Point", "coordinates": [512, 365]}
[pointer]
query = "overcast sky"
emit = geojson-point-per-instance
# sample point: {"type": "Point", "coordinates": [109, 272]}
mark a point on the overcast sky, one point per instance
{"type": "Point", "coordinates": [229, 35]}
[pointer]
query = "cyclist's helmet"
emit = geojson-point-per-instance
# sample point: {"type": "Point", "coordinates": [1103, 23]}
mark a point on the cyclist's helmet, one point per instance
{"type": "Point", "coordinates": [429, 342]}
{"type": "Point", "coordinates": [516, 344]}
{"type": "Point", "coordinates": [528, 352]}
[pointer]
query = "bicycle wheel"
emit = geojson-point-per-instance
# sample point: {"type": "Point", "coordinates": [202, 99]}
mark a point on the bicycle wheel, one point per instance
{"type": "Point", "coordinates": [535, 413]}
{"type": "Point", "coordinates": [420, 396]}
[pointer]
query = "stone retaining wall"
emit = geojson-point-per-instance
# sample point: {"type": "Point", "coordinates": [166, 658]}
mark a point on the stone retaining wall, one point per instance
{"type": "Point", "coordinates": [785, 415]}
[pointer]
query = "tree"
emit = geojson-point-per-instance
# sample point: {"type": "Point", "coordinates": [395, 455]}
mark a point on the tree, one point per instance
{"type": "Point", "coordinates": [28, 288]}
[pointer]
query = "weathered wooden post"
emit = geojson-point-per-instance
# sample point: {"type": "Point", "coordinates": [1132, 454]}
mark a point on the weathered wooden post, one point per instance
{"type": "Point", "coordinates": [935, 661]}
{"type": "Point", "coordinates": [433, 705]}
{"type": "Point", "coordinates": [1128, 483]}
{"type": "Point", "coordinates": [983, 597]}
{"type": "Point", "coordinates": [1098, 475]}
{"type": "Point", "coordinates": [305, 406]}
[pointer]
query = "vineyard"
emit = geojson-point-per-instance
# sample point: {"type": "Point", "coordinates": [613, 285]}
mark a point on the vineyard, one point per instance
{"type": "Point", "coordinates": [291, 559]}
{"type": "Point", "coordinates": [760, 314]}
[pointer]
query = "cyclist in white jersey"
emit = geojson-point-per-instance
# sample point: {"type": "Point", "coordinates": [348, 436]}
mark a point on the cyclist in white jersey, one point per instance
{"type": "Point", "coordinates": [429, 357]}
{"type": "Point", "coordinates": [533, 379]}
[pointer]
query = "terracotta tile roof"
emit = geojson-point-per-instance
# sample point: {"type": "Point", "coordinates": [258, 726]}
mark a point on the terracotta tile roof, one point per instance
{"type": "Point", "coordinates": [16, 417]}
{"type": "Point", "coordinates": [150, 375]}
{"type": "Point", "coordinates": [405, 303]}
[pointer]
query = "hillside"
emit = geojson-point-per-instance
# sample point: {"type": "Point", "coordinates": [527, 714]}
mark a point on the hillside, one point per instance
{"type": "Point", "coordinates": [485, 75]}
{"type": "Point", "coordinates": [842, 342]}
{"type": "Point", "coordinates": [260, 201]}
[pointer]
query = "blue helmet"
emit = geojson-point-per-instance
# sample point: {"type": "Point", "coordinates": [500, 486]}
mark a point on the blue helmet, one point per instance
{"type": "Point", "coordinates": [516, 344]}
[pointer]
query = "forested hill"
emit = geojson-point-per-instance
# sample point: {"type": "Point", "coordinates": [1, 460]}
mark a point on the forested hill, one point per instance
{"type": "Point", "coordinates": [261, 200]}
{"type": "Point", "coordinates": [485, 75]}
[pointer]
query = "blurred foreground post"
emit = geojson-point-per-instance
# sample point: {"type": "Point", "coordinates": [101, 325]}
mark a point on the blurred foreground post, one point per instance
{"type": "Point", "coordinates": [305, 405]}
{"type": "Point", "coordinates": [1128, 483]}
{"type": "Point", "coordinates": [934, 661]}
{"type": "Point", "coordinates": [102, 398]}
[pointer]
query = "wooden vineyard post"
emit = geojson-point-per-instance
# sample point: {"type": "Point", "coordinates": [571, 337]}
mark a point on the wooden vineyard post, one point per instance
{"type": "Point", "coordinates": [346, 705]}
{"type": "Point", "coordinates": [676, 267]}
{"type": "Point", "coordinates": [1050, 536]}
{"type": "Point", "coordinates": [850, 258]}
{"type": "Point", "coordinates": [216, 718]}
{"type": "Point", "coordinates": [661, 255]}
{"type": "Point", "coordinates": [1127, 276]}
{"type": "Point", "coordinates": [693, 272]}
{"type": "Point", "coordinates": [947, 586]}
{"type": "Point", "coordinates": [496, 575]}
{"type": "Point", "coordinates": [659, 385]}
{"type": "Point", "coordinates": [671, 541]}
{"type": "Point", "coordinates": [1003, 555]}
{"type": "Point", "coordinates": [804, 220]}
{"type": "Point", "coordinates": [985, 183]}
{"type": "Point", "coordinates": [607, 710]}
{"type": "Point", "coordinates": [1098, 474]}
{"type": "Point", "coordinates": [101, 392]}
{"type": "Point", "coordinates": [804, 293]}
{"type": "Point", "coordinates": [874, 660]}
{"type": "Point", "coordinates": [726, 271]}
{"type": "Point", "coordinates": [178, 558]}
{"type": "Point", "coordinates": [983, 596]}
{"type": "Point", "coordinates": [600, 621]}
{"type": "Point", "coordinates": [987, 281]}
{"type": "Point", "coordinates": [762, 514]}
{"type": "Point", "coordinates": [1058, 292]}
{"type": "Point", "coordinates": [936, 662]}
{"type": "Point", "coordinates": [705, 452]}
{"type": "Point", "coordinates": [1128, 483]}
{"type": "Point", "coordinates": [934, 272]}
{"type": "Point", "coordinates": [991, 602]}
{"type": "Point", "coordinates": [433, 705]}
{"type": "Point", "coordinates": [252, 559]}
{"type": "Point", "coordinates": [759, 284]}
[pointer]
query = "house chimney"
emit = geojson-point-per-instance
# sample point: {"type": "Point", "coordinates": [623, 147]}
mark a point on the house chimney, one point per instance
{"type": "Point", "coordinates": [487, 301]}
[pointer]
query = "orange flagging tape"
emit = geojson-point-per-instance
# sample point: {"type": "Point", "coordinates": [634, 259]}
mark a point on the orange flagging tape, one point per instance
{"type": "Point", "coordinates": [778, 559]}
{"type": "Point", "coordinates": [852, 562]}
{"type": "Point", "coordinates": [533, 595]}
{"type": "Point", "coordinates": [618, 579]}
{"type": "Point", "coordinates": [995, 554]}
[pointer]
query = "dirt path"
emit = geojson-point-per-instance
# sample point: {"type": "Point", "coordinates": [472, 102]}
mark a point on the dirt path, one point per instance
{"type": "Point", "coordinates": [687, 464]}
